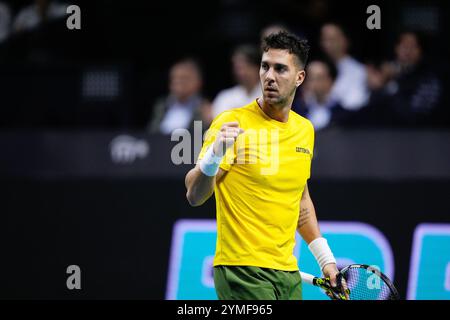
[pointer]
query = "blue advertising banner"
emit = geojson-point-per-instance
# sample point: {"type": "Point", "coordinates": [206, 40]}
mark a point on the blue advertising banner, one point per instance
{"type": "Point", "coordinates": [193, 245]}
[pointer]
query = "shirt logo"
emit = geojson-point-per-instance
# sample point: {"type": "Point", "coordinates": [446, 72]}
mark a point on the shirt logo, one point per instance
{"type": "Point", "coordinates": [302, 150]}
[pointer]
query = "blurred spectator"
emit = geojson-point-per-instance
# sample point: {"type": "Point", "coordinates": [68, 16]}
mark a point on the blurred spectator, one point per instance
{"type": "Point", "coordinates": [185, 103]}
{"type": "Point", "coordinates": [407, 90]}
{"type": "Point", "coordinates": [5, 21]}
{"type": "Point", "coordinates": [319, 106]}
{"type": "Point", "coordinates": [350, 87]}
{"type": "Point", "coordinates": [246, 61]}
{"type": "Point", "coordinates": [37, 13]}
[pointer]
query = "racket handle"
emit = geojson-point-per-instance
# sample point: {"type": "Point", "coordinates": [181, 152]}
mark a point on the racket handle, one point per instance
{"type": "Point", "coordinates": [308, 278]}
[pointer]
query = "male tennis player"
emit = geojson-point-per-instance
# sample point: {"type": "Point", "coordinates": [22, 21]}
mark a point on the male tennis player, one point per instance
{"type": "Point", "coordinates": [257, 160]}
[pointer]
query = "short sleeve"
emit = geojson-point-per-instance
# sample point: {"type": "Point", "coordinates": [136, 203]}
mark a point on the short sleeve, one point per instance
{"type": "Point", "coordinates": [211, 134]}
{"type": "Point", "coordinates": [311, 136]}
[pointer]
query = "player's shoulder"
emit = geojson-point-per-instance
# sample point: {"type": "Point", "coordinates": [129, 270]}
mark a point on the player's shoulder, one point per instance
{"type": "Point", "coordinates": [225, 116]}
{"type": "Point", "coordinates": [248, 109]}
{"type": "Point", "coordinates": [301, 122]}
{"type": "Point", "coordinates": [235, 113]}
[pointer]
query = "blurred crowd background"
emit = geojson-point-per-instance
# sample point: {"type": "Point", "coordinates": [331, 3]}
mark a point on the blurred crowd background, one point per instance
{"type": "Point", "coordinates": [161, 65]}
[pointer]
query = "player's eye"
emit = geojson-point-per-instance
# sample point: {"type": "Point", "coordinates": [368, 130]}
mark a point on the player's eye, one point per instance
{"type": "Point", "coordinates": [264, 66]}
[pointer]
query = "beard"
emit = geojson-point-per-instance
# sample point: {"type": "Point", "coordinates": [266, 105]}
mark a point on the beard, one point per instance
{"type": "Point", "coordinates": [277, 99]}
{"type": "Point", "coordinates": [273, 98]}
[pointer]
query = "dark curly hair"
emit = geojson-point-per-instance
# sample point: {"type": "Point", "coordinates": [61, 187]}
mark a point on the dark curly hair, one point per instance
{"type": "Point", "coordinates": [287, 41]}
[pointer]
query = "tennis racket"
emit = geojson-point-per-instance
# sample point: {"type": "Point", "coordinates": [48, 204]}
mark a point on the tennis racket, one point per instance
{"type": "Point", "coordinates": [356, 282]}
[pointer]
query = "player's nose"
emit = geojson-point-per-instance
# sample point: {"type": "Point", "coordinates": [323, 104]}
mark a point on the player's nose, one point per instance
{"type": "Point", "coordinates": [270, 75]}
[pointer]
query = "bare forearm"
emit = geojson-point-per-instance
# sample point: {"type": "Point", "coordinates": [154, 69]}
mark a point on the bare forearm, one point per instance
{"type": "Point", "coordinates": [199, 187]}
{"type": "Point", "coordinates": [201, 180]}
{"type": "Point", "coordinates": [308, 226]}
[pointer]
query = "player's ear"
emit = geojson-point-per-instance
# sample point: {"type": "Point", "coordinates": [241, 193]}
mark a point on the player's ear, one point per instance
{"type": "Point", "coordinates": [301, 74]}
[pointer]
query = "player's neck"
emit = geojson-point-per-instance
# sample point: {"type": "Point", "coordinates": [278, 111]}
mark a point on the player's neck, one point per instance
{"type": "Point", "coordinates": [276, 112]}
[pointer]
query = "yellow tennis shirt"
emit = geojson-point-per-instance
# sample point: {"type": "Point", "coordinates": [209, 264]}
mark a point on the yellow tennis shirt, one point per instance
{"type": "Point", "coordinates": [258, 199]}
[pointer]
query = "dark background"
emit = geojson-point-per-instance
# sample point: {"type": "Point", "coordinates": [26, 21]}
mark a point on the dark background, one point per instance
{"type": "Point", "coordinates": [63, 201]}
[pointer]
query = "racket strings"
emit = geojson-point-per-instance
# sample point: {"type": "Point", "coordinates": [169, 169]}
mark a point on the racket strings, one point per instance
{"type": "Point", "coordinates": [366, 284]}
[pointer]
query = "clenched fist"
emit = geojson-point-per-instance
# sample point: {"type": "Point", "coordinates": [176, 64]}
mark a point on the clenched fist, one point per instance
{"type": "Point", "coordinates": [226, 137]}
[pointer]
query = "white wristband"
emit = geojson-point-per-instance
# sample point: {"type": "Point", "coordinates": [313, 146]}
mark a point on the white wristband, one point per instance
{"type": "Point", "coordinates": [209, 164]}
{"type": "Point", "coordinates": [322, 252]}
